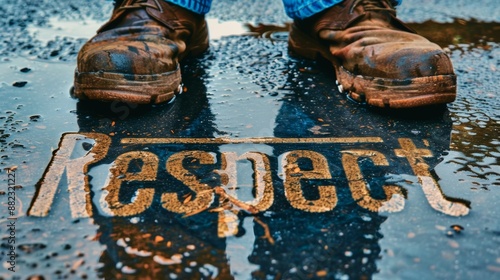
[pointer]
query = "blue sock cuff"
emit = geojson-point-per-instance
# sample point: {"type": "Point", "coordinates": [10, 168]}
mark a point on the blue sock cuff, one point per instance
{"type": "Point", "coordinates": [300, 9]}
{"type": "Point", "coordinates": [198, 6]}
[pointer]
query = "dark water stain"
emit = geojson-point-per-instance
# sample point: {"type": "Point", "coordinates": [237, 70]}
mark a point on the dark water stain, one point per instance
{"type": "Point", "coordinates": [460, 31]}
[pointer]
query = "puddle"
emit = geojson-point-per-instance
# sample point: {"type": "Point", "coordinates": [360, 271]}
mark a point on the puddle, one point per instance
{"type": "Point", "coordinates": [308, 184]}
{"type": "Point", "coordinates": [87, 28]}
{"type": "Point", "coordinates": [218, 29]}
{"type": "Point", "coordinates": [56, 27]}
{"type": "Point", "coordinates": [460, 32]}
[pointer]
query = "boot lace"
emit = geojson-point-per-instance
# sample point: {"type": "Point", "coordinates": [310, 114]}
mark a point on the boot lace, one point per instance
{"type": "Point", "coordinates": [374, 5]}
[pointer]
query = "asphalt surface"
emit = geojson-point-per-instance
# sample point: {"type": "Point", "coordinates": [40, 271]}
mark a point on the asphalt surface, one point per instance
{"type": "Point", "coordinates": [261, 169]}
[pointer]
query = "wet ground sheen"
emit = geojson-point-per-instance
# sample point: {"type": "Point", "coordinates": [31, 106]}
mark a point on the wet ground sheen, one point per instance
{"type": "Point", "coordinates": [260, 169]}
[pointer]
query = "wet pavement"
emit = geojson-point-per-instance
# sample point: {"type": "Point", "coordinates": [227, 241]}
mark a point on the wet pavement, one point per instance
{"type": "Point", "coordinates": [260, 169]}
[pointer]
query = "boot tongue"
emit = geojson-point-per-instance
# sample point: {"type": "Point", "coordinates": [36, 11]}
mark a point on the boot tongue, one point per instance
{"type": "Point", "coordinates": [363, 6]}
{"type": "Point", "coordinates": [361, 13]}
{"type": "Point", "coordinates": [128, 13]}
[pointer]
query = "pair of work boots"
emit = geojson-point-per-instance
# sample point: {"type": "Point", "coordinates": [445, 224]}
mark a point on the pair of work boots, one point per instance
{"type": "Point", "coordinates": [377, 58]}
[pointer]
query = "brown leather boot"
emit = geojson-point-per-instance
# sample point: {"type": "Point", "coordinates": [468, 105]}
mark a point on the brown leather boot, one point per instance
{"type": "Point", "coordinates": [135, 55]}
{"type": "Point", "coordinates": [377, 58]}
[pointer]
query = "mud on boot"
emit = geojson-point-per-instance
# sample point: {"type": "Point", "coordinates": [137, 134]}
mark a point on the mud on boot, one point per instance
{"type": "Point", "coordinates": [135, 55]}
{"type": "Point", "coordinates": [377, 58]}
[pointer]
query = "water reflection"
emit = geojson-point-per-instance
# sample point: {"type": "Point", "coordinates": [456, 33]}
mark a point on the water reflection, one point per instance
{"type": "Point", "coordinates": [290, 179]}
{"type": "Point", "coordinates": [199, 210]}
{"type": "Point", "coordinates": [459, 33]}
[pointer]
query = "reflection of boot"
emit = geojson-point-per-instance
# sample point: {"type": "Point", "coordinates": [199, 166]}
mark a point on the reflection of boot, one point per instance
{"type": "Point", "coordinates": [134, 57]}
{"type": "Point", "coordinates": [377, 58]}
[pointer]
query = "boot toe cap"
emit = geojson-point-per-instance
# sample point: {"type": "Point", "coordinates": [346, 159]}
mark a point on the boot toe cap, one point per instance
{"type": "Point", "coordinates": [415, 63]}
{"type": "Point", "coordinates": [403, 63]}
{"type": "Point", "coordinates": [128, 57]}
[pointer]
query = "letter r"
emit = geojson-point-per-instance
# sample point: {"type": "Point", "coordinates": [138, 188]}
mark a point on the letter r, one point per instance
{"type": "Point", "coordinates": [76, 151]}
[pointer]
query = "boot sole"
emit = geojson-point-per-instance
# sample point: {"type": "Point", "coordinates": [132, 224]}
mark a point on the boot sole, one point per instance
{"type": "Point", "coordinates": [375, 91]}
{"type": "Point", "coordinates": [137, 89]}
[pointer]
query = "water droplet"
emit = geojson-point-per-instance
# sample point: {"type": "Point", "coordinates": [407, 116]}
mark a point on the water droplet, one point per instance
{"type": "Point", "coordinates": [19, 84]}
{"type": "Point", "coordinates": [457, 228]}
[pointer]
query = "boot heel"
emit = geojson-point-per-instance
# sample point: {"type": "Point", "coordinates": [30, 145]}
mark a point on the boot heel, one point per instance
{"type": "Point", "coordinates": [301, 44]}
